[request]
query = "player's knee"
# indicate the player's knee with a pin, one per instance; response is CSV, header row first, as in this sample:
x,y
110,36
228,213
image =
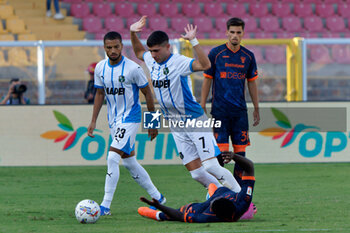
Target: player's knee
x,y
113,157
198,173
211,165
129,162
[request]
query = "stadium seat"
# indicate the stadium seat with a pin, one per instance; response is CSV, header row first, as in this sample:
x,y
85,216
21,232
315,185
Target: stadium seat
x,y
95,1
291,24
324,10
330,35
191,10
220,23
258,54
281,9
213,9
3,61
264,35
313,24
270,24
341,54
16,26
335,24
133,19
102,10
320,54
146,9
303,10
344,10
285,35
26,37
79,10
178,24
18,57
204,24
7,37
114,24
250,24
6,11
217,35
158,23
168,9
258,10
100,35
275,54
124,9
308,34
236,9
92,24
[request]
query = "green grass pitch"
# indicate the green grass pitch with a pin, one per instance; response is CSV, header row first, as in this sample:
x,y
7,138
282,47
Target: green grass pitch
x,y
289,198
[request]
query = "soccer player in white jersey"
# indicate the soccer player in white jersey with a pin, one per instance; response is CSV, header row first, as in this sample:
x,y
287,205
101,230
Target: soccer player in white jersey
x,y
118,79
172,87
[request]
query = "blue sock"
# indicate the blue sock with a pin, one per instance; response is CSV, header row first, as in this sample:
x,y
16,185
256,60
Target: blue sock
x,y
237,171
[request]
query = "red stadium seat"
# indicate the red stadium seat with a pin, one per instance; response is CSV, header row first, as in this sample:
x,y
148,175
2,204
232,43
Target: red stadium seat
x,y
124,9
330,35
191,9
236,9
281,9
220,23
217,35
324,10
303,10
213,9
258,54
285,35
114,24
335,24
275,55
99,35
313,24
168,9
290,1
178,24
158,23
92,24
204,24
132,19
250,24
146,9
320,54
341,54
344,10
308,34
291,24
258,10
95,1
102,10
79,10
264,35
270,24
201,35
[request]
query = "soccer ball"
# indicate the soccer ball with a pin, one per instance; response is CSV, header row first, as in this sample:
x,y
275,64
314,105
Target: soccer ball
x,y
87,211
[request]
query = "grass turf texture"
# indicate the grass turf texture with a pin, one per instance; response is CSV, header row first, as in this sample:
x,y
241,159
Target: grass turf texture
x,y
290,198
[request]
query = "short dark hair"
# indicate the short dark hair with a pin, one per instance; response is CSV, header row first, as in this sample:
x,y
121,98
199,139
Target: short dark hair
x,y
235,22
223,208
14,80
157,38
112,36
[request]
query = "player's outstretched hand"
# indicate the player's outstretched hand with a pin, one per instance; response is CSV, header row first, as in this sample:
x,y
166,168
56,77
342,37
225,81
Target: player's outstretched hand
x,y
227,156
138,26
152,133
91,128
190,32
154,202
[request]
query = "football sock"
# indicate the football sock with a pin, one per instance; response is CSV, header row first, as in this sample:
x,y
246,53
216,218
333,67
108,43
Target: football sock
x,y
222,174
203,177
238,171
112,178
141,176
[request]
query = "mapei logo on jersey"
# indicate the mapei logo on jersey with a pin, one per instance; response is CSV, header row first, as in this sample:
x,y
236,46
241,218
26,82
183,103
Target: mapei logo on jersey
x,y
151,120
115,91
161,83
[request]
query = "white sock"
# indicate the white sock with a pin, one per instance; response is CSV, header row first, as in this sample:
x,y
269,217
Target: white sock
x,y
203,177
141,176
222,174
112,178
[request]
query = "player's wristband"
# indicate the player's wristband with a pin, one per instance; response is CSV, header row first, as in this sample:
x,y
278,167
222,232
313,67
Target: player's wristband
x,y
194,42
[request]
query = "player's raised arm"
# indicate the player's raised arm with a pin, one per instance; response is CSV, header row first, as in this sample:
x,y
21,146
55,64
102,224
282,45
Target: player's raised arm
x,y
99,98
202,63
139,50
246,164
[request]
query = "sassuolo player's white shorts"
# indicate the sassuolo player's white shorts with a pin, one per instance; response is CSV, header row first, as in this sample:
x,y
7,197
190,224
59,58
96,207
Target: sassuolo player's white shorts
x,y
123,135
192,144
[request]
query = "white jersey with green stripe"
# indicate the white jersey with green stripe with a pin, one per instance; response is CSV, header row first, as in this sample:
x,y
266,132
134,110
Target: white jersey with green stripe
x,y
121,83
173,87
